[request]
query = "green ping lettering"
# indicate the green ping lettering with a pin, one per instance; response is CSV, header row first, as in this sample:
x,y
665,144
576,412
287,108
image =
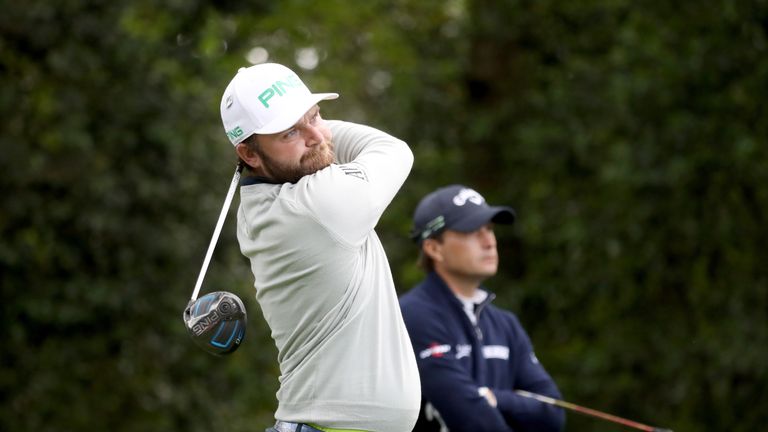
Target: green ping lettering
x,y
234,133
279,88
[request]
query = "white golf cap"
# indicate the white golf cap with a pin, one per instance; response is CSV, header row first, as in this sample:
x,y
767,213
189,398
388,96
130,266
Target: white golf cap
x,y
265,99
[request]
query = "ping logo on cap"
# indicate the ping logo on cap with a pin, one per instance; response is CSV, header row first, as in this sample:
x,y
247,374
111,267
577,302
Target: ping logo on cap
x,y
235,133
279,88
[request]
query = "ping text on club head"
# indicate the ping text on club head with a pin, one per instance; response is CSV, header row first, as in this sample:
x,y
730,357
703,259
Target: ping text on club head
x,y
206,322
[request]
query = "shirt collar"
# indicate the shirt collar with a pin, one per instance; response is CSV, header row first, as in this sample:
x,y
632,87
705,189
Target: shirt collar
x,y
253,179
469,303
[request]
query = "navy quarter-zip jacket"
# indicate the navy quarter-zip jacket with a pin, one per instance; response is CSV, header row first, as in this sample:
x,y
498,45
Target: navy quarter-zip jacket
x,y
456,357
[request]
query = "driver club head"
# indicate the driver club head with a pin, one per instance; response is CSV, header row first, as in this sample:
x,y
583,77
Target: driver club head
x,y
216,322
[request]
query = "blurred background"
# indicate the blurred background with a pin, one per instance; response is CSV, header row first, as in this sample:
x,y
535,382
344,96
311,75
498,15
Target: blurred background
x,y
631,138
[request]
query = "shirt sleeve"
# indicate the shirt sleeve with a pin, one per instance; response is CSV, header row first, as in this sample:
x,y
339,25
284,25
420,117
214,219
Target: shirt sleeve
x,y
350,196
522,413
445,384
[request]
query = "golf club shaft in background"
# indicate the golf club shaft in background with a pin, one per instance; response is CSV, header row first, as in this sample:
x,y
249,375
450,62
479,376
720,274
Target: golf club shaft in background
x,y
217,230
590,412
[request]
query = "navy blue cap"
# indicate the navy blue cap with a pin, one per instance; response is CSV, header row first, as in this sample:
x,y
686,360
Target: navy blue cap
x,y
457,208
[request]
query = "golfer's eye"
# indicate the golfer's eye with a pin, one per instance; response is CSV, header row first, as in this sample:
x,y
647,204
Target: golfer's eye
x,y
290,134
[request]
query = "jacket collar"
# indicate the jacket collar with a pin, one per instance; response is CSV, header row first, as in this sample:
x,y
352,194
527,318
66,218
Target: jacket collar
x,y
436,288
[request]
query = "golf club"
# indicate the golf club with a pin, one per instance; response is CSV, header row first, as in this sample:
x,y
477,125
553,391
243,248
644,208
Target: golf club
x,y
217,320
590,412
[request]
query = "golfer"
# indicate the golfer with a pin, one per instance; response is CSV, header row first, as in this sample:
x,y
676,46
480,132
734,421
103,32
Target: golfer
x,y
471,354
310,198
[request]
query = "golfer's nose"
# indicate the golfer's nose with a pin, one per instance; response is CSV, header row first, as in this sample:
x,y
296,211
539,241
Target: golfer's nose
x,y
312,135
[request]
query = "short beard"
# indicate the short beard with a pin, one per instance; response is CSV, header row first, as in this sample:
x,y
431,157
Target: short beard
x,y
317,158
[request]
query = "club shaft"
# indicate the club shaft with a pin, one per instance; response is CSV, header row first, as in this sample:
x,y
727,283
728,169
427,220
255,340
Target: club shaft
x,y
217,231
589,411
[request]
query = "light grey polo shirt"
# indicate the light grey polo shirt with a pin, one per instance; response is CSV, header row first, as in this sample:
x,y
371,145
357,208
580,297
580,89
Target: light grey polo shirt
x,y
325,288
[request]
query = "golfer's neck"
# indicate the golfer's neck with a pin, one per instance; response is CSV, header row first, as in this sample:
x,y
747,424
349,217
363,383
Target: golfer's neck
x,y
465,286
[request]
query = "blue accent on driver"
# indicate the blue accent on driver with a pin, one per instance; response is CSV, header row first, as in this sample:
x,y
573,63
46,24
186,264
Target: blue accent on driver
x,y
231,336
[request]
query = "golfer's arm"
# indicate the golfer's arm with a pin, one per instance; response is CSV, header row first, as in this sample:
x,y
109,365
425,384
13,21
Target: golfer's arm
x,y
349,197
385,160
531,415
524,413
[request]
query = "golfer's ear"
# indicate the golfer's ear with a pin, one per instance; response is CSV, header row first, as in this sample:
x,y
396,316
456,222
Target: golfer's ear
x,y
432,249
248,156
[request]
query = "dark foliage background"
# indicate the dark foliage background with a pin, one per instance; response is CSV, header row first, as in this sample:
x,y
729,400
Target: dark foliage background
x,y
631,138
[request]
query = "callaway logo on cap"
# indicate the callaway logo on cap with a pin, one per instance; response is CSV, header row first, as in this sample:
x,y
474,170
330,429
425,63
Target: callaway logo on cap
x,y
265,99
458,208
